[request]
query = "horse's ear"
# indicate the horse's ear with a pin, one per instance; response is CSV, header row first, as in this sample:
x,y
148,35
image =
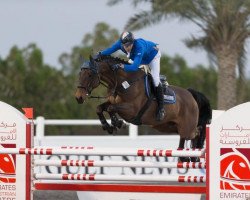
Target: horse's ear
x,y
91,58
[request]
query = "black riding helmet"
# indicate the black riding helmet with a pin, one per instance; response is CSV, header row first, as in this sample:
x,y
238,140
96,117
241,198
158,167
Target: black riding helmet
x,y
127,38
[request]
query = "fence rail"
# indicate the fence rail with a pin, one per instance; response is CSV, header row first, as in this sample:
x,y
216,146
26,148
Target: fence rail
x,y
41,122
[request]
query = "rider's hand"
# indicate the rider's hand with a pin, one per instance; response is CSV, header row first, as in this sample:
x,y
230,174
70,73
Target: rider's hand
x,y
97,56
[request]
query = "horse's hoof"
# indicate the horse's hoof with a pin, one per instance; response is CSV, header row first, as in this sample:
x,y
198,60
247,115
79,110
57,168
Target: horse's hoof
x,y
195,159
184,159
104,128
108,128
111,129
119,124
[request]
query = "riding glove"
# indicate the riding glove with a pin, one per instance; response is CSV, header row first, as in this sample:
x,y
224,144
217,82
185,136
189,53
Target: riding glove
x,y
97,56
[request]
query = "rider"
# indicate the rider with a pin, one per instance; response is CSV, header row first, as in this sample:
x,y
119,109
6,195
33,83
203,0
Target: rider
x,y
145,52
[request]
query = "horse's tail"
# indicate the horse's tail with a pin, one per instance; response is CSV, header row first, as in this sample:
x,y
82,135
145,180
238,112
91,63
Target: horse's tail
x,y
205,115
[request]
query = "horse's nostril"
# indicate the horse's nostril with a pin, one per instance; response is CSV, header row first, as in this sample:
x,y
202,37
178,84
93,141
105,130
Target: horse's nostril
x,y
79,100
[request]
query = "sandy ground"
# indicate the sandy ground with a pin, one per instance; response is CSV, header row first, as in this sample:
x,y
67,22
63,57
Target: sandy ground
x,y
62,195
54,195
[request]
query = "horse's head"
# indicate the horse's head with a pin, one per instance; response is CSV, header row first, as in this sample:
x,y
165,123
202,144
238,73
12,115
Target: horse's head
x,y
88,80
92,72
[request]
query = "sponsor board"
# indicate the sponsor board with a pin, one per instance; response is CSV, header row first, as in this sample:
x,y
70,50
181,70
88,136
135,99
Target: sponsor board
x,y
13,127
229,155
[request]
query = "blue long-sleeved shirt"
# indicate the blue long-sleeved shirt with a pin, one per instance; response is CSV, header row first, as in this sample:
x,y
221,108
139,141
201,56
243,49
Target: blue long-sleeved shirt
x,y
142,53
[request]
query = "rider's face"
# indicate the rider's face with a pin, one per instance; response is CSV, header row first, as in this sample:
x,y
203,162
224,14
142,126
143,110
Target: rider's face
x,y
128,48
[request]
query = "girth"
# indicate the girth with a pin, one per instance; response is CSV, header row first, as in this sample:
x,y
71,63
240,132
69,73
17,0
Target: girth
x,y
137,119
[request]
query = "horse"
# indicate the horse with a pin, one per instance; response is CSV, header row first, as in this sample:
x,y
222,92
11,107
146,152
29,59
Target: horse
x,y
126,97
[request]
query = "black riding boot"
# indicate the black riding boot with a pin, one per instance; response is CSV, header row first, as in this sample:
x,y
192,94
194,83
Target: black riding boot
x,y
160,98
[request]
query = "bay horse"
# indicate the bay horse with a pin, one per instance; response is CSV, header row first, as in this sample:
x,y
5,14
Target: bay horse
x,y
188,116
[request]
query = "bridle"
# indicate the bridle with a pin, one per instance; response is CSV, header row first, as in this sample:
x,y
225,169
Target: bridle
x,y
95,72
94,68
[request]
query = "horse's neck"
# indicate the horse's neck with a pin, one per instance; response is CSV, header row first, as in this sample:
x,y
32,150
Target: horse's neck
x,y
115,79
120,76
108,78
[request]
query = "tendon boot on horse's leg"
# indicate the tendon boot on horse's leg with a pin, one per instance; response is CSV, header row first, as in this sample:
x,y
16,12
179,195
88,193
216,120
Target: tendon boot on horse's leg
x,y
115,121
181,146
160,101
112,110
106,126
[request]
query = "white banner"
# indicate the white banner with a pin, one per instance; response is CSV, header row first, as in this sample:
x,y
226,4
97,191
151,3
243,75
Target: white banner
x,y
229,155
13,129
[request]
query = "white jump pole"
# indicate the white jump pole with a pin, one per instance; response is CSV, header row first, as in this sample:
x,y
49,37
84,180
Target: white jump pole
x,y
94,163
143,178
105,152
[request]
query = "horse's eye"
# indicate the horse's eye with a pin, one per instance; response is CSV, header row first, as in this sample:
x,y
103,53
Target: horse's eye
x,y
90,75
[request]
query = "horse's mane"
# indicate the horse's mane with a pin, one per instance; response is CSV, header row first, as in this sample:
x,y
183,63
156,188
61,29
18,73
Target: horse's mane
x,y
109,58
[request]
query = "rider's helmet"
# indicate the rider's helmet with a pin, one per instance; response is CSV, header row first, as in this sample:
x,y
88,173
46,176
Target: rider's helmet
x,y
127,38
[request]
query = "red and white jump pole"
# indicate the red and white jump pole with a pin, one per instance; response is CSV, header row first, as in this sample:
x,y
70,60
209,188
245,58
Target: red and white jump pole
x,y
140,178
96,163
105,152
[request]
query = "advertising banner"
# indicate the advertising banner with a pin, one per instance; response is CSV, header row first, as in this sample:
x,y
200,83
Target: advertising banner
x,y
229,155
13,128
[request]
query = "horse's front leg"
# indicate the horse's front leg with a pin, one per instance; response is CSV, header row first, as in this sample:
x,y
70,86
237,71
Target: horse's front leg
x,y
125,109
99,111
114,120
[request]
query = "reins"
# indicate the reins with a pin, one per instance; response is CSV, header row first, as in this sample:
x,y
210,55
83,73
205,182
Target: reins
x,y
115,88
99,97
102,83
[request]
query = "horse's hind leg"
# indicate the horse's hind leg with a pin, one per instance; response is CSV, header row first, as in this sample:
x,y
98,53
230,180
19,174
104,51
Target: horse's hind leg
x,y
181,146
195,144
99,111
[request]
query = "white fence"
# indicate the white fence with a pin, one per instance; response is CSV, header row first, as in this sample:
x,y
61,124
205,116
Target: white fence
x,y
133,139
41,122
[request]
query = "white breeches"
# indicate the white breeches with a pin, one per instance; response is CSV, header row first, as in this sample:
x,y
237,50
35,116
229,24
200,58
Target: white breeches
x,y
155,68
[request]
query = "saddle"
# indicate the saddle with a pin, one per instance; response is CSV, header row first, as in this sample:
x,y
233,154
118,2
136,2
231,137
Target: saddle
x,y
169,94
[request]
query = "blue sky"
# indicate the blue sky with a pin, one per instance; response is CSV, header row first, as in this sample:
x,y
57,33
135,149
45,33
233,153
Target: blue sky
x,y
58,25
